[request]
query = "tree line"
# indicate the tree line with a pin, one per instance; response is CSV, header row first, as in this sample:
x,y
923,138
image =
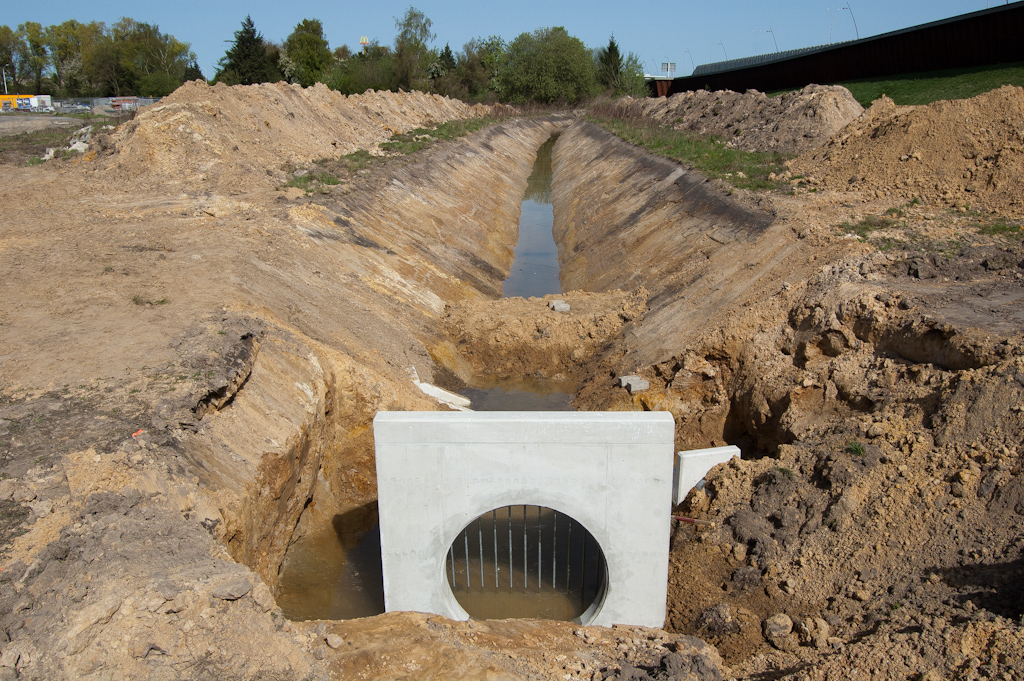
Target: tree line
x,y
76,59
547,65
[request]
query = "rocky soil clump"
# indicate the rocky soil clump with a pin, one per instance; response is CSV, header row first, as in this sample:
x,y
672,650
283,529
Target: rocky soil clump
x,y
794,122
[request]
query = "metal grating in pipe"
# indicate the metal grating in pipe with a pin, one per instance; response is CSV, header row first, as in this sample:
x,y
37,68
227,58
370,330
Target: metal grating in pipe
x,y
550,567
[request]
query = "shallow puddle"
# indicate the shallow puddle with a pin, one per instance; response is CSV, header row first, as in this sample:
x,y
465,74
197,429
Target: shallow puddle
x,y
336,573
518,394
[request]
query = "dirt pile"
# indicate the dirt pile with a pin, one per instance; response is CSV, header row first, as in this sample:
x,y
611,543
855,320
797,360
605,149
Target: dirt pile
x,y
794,122
231,137
524,337
961,153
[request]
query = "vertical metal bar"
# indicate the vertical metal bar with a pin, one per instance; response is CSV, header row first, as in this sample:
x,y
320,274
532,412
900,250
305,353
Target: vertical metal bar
x,y
540,526
568,556
554,549
480,536
526,570
465,541
583,572
509,547
494,526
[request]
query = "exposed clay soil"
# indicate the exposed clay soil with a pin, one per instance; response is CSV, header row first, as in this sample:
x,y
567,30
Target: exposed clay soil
x,y
961,153
192,357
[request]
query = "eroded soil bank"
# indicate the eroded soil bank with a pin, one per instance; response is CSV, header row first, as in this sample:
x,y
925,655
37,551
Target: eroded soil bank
x,y
189,375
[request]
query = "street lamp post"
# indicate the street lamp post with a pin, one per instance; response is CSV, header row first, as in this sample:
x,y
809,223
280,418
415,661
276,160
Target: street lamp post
x,y
724,50
693,67
773,38
4,70
854,20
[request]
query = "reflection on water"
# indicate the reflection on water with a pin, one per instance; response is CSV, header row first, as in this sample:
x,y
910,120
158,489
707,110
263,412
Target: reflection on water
x,y
535,265
518,394
336,573
525,561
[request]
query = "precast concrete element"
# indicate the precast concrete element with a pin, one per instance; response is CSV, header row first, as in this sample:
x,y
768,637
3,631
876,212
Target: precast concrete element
x,y
634,383
559,305
693,465
610,471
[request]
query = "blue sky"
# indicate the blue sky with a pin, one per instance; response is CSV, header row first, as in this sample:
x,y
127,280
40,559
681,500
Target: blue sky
x,y
677,30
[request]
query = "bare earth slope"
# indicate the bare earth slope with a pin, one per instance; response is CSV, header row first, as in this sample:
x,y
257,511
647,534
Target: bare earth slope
x,y
233,137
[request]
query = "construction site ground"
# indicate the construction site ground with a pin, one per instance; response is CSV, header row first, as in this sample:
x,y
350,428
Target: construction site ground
x,y
193,345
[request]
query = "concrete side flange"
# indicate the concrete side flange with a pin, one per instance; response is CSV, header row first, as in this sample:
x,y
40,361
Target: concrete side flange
x,y
693,465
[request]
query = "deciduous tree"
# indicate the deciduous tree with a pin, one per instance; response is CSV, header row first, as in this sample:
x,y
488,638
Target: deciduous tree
x,y
307,53
546,66
412,50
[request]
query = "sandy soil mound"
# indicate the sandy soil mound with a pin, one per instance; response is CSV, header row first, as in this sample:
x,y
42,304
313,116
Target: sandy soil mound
x,y
795,122
964,153
228,135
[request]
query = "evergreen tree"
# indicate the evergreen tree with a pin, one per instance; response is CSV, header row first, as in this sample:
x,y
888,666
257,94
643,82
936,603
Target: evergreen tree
x,y
447,59
609,66
247,62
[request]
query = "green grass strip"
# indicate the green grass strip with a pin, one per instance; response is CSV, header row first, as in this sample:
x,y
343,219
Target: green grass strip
x,y
711,157
925,88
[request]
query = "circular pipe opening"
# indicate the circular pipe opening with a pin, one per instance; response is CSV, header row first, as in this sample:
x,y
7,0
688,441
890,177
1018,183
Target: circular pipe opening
x,y
527,562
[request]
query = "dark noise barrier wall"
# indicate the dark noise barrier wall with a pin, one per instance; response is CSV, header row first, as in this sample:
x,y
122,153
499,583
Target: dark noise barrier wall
x,y
990,36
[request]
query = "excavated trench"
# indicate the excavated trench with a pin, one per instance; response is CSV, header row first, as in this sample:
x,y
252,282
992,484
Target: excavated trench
x,y
667,275
333,571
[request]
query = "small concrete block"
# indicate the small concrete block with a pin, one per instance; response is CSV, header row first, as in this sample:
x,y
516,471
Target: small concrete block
x,y
559,305
634,383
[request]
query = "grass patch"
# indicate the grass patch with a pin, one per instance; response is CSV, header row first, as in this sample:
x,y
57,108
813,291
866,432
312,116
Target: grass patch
x,y
313,181
928,87
357,160
711,157
868,224
854,447
420,138
1001,227
782,471
328,172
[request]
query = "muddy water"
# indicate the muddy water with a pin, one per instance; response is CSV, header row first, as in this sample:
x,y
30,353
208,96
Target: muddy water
x,y
535,265
487,393
335,573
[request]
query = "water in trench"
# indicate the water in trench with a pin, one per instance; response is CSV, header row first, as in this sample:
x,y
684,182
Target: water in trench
x,y
336,573
535,264
534,273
